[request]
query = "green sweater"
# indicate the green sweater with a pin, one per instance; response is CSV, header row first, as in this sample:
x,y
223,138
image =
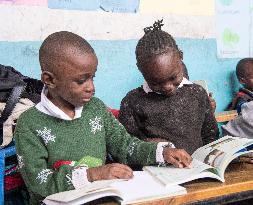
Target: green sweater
x,y
41,140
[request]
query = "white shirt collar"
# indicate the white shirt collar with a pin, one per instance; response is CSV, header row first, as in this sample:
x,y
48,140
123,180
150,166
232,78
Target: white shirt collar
x,y
47,107
147,89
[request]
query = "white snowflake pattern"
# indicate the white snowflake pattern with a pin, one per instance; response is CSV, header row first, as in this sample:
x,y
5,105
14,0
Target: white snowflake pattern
x,y
131,148
46,135
95,124
20,161
42,176
69,180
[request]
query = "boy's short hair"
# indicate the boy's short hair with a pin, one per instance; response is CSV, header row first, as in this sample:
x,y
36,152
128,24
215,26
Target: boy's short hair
x,y
243,66
54,46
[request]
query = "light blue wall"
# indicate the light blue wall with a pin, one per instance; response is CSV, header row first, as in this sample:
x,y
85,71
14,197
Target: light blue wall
x,y
117,72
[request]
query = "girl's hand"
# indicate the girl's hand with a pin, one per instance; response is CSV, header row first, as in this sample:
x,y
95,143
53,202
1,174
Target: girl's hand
x,y
178,157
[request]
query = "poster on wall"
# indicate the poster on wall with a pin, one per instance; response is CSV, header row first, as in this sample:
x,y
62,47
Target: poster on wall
x,y
190,7
233,27
122,6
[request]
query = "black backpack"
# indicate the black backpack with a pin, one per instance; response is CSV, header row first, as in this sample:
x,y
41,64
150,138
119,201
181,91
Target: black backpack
x,y
13,86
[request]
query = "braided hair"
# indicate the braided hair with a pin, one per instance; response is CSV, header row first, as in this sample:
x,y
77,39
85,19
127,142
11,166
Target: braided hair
x,y
155,42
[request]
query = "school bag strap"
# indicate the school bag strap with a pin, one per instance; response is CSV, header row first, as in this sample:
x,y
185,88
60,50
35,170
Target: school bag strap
x,y
9,106
11,88
11,102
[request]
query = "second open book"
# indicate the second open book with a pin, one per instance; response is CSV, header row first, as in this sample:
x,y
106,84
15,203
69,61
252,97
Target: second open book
x,y
210,160
142,187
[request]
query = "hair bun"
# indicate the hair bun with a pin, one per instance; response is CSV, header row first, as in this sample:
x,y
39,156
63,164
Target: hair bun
x,y
156,26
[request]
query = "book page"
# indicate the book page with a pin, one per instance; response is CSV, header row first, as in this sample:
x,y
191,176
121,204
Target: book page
x,y
86,198
171,175
202,83
92,188
144,187
219,153
141,187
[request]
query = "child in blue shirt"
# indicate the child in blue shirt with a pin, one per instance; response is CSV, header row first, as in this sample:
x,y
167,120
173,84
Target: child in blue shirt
x,y
244,73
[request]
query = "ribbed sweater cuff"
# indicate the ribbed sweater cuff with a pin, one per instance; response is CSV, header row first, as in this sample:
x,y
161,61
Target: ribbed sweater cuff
x,y
159,151
79,177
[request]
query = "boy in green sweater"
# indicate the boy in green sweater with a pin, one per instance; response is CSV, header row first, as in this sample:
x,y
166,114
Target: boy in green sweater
x,y
63,141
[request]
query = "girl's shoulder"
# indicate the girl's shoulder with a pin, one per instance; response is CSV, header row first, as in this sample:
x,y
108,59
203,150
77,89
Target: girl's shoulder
x,y
195,88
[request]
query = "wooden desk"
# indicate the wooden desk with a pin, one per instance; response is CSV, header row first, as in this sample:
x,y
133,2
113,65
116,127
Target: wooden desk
x,y
226,115
238,186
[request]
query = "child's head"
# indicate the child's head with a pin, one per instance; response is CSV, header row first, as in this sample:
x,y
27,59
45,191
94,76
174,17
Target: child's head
x,y
159,60
68,64
244,72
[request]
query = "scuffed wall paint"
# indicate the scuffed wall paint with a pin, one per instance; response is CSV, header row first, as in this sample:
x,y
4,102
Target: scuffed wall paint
x,y
35,23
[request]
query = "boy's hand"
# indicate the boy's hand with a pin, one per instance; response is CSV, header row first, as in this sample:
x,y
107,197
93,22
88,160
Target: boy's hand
x,y
212,101
178,157
109,171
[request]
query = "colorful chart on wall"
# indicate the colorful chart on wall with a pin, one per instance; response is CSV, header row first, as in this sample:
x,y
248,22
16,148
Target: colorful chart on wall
x,y
234,28
121,6
25,2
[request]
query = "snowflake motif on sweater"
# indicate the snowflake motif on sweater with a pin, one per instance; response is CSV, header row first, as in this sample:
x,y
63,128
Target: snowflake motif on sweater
x,y
42,176
46,135
95,124
131,148
20,161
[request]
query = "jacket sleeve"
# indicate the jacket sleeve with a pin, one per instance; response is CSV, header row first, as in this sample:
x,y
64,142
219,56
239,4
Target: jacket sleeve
x,y
209,131
32,156
126,148
129,119
239,104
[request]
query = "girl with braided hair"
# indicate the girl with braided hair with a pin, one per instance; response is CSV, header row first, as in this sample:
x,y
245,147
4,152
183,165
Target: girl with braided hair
x,y
167,107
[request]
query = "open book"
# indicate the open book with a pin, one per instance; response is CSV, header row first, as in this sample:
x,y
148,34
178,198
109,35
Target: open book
x,y
210,160
141,188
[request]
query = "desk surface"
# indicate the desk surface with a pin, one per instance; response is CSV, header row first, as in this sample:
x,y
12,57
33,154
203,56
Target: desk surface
x,y
239,179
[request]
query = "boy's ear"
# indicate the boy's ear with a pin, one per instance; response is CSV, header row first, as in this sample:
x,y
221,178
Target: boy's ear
x,y
48,79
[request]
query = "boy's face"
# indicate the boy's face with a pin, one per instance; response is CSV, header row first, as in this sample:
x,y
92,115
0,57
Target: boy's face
x,y
164,73
247,81
73,83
